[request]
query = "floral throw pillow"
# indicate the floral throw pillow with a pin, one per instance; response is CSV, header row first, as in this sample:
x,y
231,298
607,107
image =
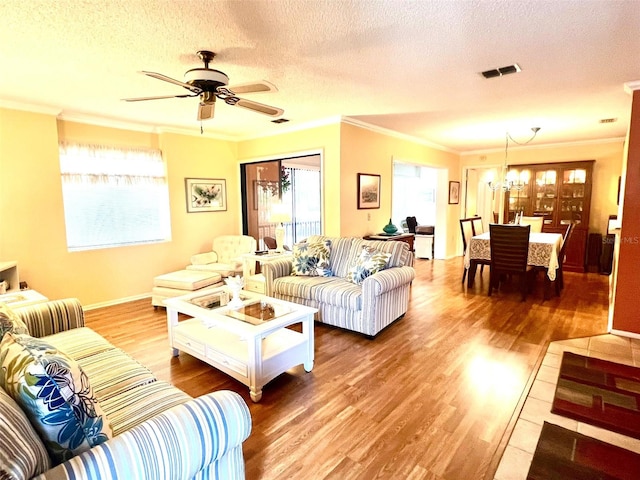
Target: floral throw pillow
x,y
369,261
54,392
10,321
311,259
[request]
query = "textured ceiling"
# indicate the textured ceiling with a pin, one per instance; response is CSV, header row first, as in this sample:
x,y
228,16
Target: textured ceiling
x,y
408,66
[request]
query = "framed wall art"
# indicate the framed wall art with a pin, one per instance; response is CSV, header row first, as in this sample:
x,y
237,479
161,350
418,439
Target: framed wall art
x,y
454,193
368,191
206,194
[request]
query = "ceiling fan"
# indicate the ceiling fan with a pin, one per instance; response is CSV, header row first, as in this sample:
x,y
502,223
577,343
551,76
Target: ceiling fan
x,y
210,84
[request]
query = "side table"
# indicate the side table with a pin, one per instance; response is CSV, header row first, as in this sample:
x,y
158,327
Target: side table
x,y
22,298
255,282
401,237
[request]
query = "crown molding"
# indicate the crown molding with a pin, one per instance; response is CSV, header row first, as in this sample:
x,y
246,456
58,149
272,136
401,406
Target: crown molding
x,y
393,133
29,107
288,128
196,133
106,122
630,87
545,145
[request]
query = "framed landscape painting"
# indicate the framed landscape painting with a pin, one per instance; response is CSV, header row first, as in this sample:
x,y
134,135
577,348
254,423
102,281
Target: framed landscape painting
x,y
206,194
368,191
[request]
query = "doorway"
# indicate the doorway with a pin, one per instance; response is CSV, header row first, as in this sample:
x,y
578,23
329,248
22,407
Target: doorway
x,y
293,186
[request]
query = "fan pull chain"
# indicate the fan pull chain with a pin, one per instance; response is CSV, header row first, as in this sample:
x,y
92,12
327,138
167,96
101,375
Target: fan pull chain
x,y
201,129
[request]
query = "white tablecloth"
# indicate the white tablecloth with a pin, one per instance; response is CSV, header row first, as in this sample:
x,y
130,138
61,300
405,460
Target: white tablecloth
x,y
543,250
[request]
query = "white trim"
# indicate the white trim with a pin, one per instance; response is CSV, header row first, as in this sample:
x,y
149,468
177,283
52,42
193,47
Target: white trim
x,y
629,87
545,145
117,301
29,107
393,133
624,333
279,156
288,128
196,133
106,122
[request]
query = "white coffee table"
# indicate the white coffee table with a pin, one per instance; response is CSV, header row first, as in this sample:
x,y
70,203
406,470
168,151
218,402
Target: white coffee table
x,y
251,344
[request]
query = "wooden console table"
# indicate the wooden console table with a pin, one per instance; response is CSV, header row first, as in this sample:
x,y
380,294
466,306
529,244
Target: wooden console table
x,y
401,237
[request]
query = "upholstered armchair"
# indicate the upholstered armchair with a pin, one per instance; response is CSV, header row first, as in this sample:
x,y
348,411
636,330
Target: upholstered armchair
x,y
225,256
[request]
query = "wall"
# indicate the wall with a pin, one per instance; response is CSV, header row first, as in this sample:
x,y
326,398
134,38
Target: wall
x,y
608,167
625,309
32,218
367,151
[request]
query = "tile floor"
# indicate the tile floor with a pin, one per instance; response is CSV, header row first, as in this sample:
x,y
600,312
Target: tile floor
x,y
517,456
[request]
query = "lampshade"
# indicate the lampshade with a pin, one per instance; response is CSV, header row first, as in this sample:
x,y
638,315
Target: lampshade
x,y
280,213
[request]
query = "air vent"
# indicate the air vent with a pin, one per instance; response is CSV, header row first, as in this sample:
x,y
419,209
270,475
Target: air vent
x,y
608,120
280,120
499,72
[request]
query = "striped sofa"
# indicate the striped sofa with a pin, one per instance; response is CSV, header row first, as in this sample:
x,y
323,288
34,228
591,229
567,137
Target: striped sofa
x,y
157,431
381,299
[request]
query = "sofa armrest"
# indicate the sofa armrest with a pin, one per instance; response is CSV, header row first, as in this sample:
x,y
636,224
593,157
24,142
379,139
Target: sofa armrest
x,y
280,267
178,443
51,317
204,258
387,280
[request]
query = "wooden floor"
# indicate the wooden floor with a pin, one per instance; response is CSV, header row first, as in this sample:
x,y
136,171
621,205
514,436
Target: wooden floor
x,y
431,397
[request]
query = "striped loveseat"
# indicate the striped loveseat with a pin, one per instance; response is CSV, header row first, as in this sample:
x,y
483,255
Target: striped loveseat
x,y
367,308
148,428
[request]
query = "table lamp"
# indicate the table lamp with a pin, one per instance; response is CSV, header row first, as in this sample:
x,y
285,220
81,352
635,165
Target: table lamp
x,y
279,214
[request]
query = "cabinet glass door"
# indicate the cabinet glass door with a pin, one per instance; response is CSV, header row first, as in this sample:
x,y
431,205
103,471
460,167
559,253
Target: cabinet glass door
x,y
572,195
544,188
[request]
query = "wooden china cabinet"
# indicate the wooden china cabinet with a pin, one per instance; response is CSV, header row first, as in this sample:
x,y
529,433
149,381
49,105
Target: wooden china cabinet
x,y
559,192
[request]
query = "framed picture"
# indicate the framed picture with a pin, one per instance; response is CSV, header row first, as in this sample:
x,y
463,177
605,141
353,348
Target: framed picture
x,y
454,193
206,194
368,191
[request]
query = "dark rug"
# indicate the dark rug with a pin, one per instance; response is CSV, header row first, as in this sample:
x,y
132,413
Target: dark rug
x,y
599,392
562,455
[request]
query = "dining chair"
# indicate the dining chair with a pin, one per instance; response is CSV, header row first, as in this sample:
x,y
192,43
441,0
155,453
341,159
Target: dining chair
x,y
535,222
466,227
561,255
509,253
478,228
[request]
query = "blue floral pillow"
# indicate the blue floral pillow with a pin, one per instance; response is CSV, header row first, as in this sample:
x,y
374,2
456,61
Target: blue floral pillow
x,y
311,259
54,392
369,261
10,321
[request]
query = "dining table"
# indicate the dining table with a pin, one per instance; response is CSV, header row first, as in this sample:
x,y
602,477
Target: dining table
x,y
543,252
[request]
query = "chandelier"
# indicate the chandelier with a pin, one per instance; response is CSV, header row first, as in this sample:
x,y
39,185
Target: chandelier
x,y
511,180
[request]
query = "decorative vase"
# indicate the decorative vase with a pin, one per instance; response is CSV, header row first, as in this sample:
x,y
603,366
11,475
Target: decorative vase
x,y
235,284
390,228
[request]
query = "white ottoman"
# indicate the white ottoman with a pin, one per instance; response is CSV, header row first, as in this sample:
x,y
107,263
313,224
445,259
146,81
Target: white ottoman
x,y
182,282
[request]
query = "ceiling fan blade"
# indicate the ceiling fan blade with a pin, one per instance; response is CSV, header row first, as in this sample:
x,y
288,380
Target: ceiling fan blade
x,y
253,87
258,107
164,78
205,111
156,98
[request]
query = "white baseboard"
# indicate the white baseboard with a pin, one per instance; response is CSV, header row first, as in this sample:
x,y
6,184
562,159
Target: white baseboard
x,y
116,301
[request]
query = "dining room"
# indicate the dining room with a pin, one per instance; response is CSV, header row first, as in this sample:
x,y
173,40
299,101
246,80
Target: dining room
x,y
529,252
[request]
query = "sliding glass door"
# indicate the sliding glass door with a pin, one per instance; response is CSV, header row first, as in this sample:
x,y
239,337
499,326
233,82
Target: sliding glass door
x,y
293,186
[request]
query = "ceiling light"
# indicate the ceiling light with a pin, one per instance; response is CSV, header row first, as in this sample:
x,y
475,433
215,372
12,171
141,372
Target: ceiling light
x,y
511,180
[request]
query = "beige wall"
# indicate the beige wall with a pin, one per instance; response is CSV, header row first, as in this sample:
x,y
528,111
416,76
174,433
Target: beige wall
x,y
366,151
32,218
608,167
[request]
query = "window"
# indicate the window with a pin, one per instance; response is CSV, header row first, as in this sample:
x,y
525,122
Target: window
x,y
113,196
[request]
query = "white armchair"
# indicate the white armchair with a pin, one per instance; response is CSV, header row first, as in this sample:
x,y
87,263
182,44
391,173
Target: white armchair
x,y
225,256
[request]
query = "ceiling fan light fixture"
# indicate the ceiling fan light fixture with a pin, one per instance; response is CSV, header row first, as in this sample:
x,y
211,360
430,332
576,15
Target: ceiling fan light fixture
x,y
204,77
